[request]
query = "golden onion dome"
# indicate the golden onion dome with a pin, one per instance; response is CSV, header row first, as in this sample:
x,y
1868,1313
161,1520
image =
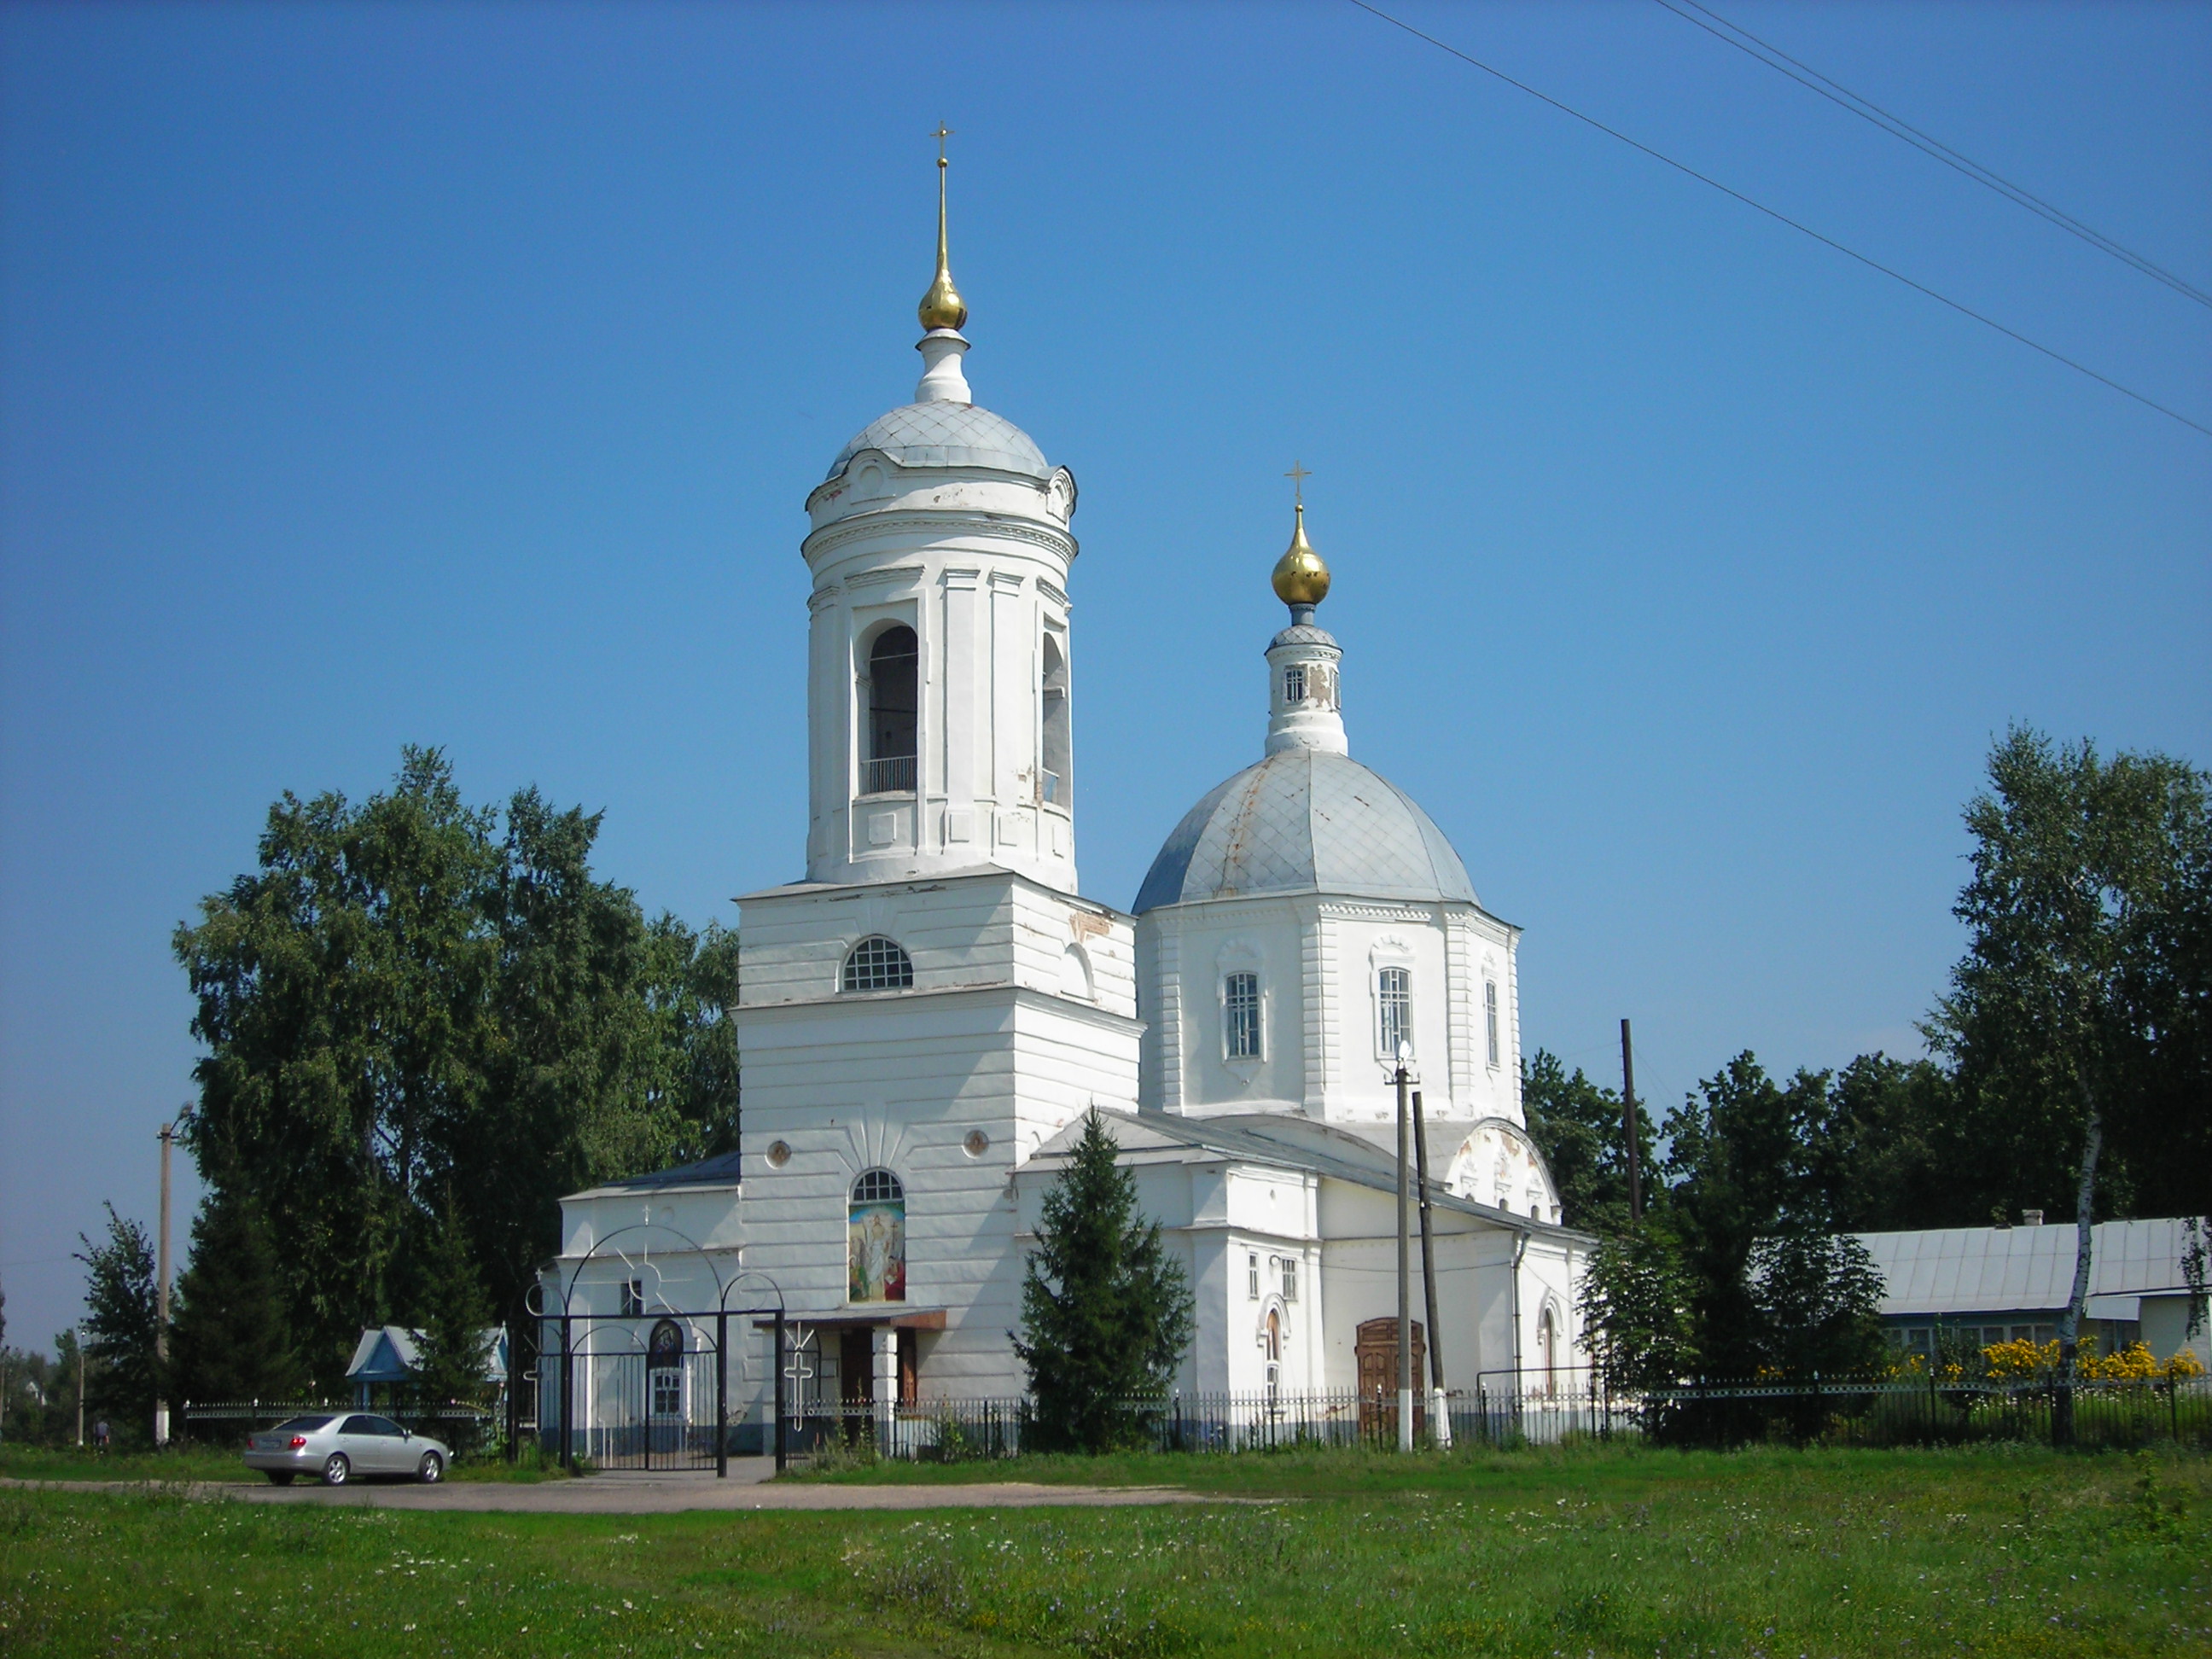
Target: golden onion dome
x,y
1301,578
942,306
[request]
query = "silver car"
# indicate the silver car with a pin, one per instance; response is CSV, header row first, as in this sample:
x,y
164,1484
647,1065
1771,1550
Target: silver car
x,y
335,1449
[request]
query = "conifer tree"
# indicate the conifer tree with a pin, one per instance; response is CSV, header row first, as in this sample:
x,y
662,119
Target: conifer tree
x,y
124,1378
229,1340
454,1314
1106,1312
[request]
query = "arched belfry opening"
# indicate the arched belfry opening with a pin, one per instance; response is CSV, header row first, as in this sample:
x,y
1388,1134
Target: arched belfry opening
x,y
894,707
1055,784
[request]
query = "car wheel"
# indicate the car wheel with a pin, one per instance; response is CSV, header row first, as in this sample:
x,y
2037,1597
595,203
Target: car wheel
x,y
335,1469
279,1477
431,1470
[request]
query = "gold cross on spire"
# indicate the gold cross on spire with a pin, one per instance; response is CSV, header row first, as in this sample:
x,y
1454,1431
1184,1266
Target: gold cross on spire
x,y
1297,474
942,133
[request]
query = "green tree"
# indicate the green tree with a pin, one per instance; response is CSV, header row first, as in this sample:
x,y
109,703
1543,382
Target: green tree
x,y
1636,1303
406,995
453,1316
1577,1125
1106,1312
341,990
2077,1018
1818,1296
610,1050
125,1376
1887,1153
1734,1163
228,1340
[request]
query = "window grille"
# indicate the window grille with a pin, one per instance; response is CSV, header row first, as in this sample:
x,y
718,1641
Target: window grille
x,y
1393,1007
878,1187
892,775
879,964
1490,1015
633,1298
1294,683
1241,1010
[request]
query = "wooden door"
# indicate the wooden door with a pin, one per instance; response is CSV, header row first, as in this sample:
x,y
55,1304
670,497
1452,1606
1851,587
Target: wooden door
x,y
1376,1348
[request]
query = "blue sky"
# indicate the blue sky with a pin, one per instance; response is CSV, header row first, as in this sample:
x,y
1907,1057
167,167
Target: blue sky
x,y
455,374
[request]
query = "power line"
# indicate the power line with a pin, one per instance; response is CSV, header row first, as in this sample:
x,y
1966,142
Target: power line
x,y
1783,218
1866,110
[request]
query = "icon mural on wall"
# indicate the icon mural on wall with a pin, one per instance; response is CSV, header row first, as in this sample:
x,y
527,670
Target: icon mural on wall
x,y
876,1239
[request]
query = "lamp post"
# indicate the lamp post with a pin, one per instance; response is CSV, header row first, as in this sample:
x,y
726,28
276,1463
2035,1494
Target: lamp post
x,y
168,1139
1403,1078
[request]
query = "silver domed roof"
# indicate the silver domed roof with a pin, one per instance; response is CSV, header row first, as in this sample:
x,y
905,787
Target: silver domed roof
x,y
948,435
1305,821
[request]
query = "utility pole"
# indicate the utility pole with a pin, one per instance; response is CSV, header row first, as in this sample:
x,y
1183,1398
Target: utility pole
x,y
1439,1417
1628,1122
1405,1267
168,1139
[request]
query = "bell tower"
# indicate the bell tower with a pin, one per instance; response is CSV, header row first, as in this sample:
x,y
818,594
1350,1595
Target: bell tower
x,y
940,687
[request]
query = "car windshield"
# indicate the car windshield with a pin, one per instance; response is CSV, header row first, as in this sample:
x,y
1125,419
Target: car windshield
x,y
303,1425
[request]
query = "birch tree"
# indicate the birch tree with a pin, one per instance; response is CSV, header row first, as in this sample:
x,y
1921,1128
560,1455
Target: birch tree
x,y
2082,985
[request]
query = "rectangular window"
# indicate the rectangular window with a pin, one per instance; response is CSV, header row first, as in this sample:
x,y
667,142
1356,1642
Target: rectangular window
x,y
1394,1008
1490,1015
1240,1001
1294,683
1252,1276
633,1298
1289,1279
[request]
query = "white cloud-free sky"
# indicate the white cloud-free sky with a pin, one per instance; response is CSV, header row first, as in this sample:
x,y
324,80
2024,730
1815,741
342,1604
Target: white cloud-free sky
x,y
454,374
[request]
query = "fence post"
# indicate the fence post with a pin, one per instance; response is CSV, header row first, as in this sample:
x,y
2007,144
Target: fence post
x,y
569,1386
722,1382
780,1454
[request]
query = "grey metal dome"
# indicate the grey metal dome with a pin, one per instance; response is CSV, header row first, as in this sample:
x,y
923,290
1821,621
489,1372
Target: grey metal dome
x,y
1305,821
948,435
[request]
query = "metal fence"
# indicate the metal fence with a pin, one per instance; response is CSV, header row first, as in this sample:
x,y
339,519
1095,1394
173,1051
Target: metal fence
x,y
1508,1410
1931,1411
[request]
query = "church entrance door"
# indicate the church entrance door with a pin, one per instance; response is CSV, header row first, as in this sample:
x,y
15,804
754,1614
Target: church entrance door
x,y
1375,1346
856,1368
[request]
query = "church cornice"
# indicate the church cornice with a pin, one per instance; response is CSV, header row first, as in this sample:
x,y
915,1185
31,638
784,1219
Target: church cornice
x,y
860,527
1001,990
1353,910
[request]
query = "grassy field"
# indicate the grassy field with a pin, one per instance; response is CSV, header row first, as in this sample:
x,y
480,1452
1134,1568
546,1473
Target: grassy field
x,y
1764,1554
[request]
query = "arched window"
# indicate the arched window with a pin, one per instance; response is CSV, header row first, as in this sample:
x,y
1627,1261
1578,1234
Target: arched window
x,y
1548,1346
664,1362
877,963
1393,1009
1490,1015
875,1235
894,702
1054,786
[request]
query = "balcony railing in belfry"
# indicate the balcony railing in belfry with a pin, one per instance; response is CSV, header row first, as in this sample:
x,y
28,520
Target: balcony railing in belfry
x,y
893,775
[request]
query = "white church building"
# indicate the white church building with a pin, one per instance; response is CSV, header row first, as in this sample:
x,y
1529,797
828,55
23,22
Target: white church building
x,y
927,1017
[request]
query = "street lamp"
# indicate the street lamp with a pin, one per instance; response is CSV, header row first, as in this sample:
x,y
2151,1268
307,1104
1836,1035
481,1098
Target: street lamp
x,y
1403,1076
